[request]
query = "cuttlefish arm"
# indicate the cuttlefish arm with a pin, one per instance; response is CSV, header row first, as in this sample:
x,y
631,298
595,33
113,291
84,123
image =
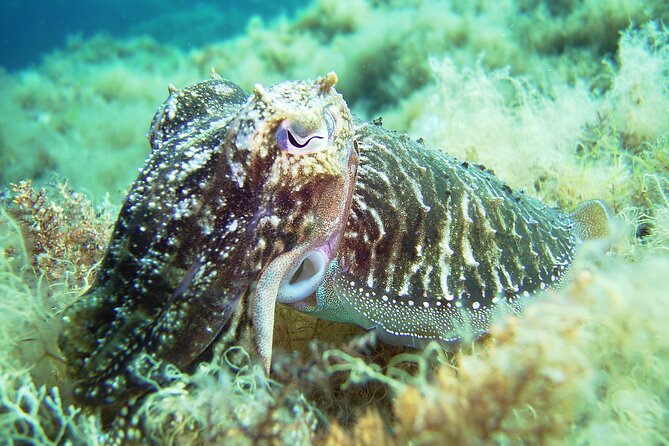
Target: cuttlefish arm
x,y
297,274
264,302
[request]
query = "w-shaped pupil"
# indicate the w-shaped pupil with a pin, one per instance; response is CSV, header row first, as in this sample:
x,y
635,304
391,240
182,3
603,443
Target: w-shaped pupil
x,y
294,142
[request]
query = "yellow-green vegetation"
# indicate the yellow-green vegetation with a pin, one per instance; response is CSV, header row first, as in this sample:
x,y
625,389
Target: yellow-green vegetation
x,y
557,100
83,112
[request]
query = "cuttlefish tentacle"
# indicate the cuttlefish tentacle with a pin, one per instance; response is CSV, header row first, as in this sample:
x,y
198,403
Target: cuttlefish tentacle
x,y
265,299
294,276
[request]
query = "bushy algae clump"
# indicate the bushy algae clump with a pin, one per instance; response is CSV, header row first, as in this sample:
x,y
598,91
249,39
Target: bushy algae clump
x,y
585,364
84,110
46,257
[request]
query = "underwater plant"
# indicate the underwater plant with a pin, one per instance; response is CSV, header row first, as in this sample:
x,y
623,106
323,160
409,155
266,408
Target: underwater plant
x,y
68,234
585,364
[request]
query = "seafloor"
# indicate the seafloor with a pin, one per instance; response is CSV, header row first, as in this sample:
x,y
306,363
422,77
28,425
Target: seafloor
x,y
566,100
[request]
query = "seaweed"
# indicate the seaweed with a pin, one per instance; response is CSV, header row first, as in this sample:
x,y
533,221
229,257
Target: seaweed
x,y
586,363
67,233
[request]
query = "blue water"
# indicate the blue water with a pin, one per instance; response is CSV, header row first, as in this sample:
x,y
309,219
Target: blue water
x,y
31,28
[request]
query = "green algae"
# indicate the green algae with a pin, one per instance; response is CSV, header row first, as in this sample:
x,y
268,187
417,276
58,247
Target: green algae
x,y
84,110
564,114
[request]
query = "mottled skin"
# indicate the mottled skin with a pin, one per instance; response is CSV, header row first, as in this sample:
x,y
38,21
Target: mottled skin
x,y
217,208
284,196
435,247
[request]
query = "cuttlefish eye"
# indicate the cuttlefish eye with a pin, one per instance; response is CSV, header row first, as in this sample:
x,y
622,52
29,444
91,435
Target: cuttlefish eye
x,y
297,138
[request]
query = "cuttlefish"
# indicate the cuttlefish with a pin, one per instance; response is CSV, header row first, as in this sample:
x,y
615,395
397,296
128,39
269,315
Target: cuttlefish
x,y
282,195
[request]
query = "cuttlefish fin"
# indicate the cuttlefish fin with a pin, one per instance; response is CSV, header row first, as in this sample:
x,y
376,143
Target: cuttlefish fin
x,y
264,302
592,219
